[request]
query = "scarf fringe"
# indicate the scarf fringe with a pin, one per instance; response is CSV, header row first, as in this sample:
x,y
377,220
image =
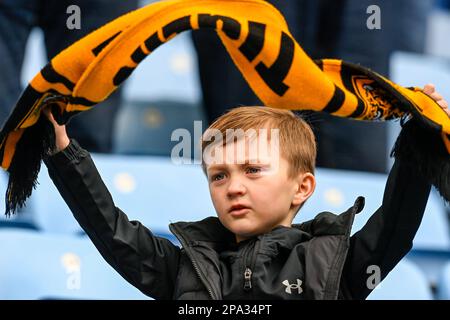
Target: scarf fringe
x,y
424,150
37,142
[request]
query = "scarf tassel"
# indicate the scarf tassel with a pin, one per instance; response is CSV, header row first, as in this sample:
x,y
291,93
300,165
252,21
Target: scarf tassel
x,y
424,150
36,143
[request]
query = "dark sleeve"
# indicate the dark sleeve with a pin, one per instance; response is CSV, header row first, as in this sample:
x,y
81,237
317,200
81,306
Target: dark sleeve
x,y
388,235
148,262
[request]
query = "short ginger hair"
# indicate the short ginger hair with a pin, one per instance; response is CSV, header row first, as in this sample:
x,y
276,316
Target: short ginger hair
x,y
296,138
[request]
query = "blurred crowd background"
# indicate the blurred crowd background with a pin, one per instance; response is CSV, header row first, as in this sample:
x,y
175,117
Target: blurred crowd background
x,y
46,255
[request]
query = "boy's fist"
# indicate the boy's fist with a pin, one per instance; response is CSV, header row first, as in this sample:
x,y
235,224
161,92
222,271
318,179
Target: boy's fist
x,y
430,90
61,138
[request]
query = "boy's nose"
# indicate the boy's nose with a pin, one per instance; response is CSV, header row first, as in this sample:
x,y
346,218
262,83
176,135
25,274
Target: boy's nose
x,y
236,188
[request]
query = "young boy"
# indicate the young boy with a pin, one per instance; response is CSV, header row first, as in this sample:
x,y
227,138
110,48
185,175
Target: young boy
x,y
252,250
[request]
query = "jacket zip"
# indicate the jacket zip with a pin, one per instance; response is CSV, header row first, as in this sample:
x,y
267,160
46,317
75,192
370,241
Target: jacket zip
x,y
247,279
250,266
193,261
247,271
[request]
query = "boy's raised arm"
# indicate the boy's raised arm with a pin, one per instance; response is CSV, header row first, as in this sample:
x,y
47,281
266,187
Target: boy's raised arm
x,y
388,235
148,262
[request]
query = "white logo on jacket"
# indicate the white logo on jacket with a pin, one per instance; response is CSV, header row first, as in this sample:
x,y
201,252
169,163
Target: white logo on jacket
x,y
294,286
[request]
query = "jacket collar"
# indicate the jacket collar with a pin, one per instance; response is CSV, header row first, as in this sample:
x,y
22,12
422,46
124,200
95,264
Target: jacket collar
x,y
205,240
212,233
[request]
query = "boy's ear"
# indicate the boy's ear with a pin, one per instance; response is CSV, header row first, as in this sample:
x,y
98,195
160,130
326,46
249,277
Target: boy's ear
x,y
305,188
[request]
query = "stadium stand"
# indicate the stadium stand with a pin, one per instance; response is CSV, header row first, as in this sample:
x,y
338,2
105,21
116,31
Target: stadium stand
x,y
405,282
150,189
155,128
443,288
35,265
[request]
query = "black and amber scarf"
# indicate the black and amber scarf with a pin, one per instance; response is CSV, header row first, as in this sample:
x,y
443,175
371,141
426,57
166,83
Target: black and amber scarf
x,y
257,38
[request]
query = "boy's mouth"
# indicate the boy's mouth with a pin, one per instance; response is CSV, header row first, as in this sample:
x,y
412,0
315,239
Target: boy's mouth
x,y
238,210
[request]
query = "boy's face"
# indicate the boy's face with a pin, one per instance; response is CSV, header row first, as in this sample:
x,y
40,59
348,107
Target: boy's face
x,y
253,197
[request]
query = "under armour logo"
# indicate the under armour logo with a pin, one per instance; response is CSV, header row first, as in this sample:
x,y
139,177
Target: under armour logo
x,y
290,287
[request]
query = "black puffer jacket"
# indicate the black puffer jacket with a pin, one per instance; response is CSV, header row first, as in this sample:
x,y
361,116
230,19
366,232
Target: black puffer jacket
x,y
314,260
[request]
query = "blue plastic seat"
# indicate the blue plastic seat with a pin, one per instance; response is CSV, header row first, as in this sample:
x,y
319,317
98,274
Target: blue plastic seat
x,y
168,73
443,4
52,215
336,191
156,192
25,218
443,283
34,265
434,233
405,282
152,190
156,127
412,69
162,95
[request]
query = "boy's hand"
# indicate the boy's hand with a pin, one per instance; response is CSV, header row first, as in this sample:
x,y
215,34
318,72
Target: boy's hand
x,y
61,138
430,90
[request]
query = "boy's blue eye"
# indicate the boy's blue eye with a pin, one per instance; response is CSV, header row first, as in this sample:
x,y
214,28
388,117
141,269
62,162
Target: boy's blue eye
x,y
253,170
214,177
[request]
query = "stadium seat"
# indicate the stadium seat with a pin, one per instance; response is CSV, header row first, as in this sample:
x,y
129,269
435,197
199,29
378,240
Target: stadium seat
x,y
51,212
25,218
34,265
412,69
155,128
152,190
438,27
405,282
444,4
336,191
162,95
156,192
434,233
169,73
443,283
